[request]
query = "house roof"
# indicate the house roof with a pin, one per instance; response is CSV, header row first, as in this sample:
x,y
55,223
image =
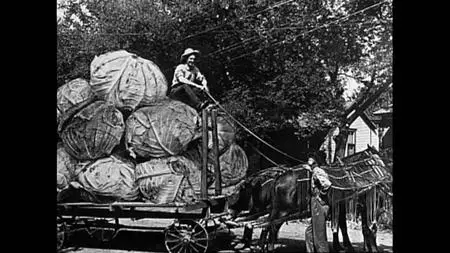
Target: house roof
x,y
367,120
384,110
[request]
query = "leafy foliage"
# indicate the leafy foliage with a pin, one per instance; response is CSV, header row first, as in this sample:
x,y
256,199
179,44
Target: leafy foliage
x,y
272,64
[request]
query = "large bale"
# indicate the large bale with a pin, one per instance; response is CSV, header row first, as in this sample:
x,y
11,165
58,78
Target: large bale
x,y
226,132
233,163
127,79
163,129
94,131
72,96
65,167
167,180
110,179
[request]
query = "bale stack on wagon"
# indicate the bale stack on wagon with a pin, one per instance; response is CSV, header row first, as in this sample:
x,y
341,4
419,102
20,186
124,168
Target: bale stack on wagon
x,y
123,139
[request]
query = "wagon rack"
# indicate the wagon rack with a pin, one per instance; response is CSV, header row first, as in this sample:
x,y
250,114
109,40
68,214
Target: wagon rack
x,y
194,223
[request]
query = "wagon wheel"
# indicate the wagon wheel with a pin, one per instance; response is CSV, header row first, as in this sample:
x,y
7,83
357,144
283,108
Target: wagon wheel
x,y
60,236
211,227
102,234
186,236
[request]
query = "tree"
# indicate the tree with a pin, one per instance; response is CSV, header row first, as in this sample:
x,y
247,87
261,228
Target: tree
x,y
272,64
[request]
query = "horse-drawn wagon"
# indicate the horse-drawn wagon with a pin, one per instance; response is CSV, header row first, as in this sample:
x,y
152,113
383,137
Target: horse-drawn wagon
x,y
194,222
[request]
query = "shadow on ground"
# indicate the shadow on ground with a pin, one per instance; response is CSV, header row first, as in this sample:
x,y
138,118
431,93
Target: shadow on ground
x,y
292,245
154,242
137,241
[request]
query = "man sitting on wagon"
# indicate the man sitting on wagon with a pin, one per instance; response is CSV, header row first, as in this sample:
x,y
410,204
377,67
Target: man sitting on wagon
x,y
188,81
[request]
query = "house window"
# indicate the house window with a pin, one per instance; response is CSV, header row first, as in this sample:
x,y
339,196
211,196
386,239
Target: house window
x,y
351,142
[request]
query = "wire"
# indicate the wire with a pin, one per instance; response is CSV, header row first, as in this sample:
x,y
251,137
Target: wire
x,y
312,30
264,156
217,27
234,46
249,131
241,43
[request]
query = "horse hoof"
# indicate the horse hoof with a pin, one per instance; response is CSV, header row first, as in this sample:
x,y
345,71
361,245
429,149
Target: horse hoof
x,y
337,248
349,249
240,246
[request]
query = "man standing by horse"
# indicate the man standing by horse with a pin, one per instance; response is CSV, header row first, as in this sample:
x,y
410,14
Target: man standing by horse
x,y
315,233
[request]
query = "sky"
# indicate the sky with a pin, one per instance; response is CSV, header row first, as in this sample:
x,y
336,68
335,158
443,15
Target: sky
x,y
351,86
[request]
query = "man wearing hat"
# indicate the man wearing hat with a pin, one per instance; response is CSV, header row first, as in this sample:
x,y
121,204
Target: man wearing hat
x,y
189,81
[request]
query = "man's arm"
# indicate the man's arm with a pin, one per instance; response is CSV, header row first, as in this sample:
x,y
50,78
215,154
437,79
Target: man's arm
x,y
179,77
202,79
322,177
182,79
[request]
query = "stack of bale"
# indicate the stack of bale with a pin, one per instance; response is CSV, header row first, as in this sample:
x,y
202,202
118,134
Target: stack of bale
x,y
123,139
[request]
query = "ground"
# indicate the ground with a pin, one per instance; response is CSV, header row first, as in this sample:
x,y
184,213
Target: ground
x,y
291,239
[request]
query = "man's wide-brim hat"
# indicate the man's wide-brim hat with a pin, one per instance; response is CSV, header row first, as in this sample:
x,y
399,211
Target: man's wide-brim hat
x,y
188,52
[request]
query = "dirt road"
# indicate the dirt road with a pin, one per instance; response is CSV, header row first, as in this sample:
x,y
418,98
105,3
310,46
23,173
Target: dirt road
x,y
291,239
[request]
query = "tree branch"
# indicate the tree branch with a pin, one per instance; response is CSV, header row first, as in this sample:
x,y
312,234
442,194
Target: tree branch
x,y
351,76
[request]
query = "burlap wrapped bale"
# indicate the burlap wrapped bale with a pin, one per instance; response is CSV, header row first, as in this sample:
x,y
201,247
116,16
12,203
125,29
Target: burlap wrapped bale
x,y
226,132
163,129
194,154
71,97
127,79
233,163
58,116
110,179
94,131
65,167
165,180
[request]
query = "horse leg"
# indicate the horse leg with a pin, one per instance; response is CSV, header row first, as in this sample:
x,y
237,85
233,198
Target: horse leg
x,y
273,236
247,237
373,230
342,220
336,246
335,228
368,235
369,238
271,229
263,238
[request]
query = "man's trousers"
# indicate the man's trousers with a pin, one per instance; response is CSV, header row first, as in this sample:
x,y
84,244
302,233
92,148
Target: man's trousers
x,y
316,232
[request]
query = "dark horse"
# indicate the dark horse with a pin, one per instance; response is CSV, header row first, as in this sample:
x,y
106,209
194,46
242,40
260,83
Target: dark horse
x,y
281,192
276,192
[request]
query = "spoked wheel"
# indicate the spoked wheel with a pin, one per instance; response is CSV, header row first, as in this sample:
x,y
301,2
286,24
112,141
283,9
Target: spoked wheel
x,y
101,232
211,227
103,235
186,236
60,236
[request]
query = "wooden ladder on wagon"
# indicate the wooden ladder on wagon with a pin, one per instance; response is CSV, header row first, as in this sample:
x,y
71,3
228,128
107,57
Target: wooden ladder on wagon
x,y
215,151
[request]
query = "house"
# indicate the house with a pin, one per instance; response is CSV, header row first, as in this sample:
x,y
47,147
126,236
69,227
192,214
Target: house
x,y
383,118
362,132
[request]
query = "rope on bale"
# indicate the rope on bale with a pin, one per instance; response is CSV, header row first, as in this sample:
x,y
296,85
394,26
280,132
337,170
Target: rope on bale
x,y
159,139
